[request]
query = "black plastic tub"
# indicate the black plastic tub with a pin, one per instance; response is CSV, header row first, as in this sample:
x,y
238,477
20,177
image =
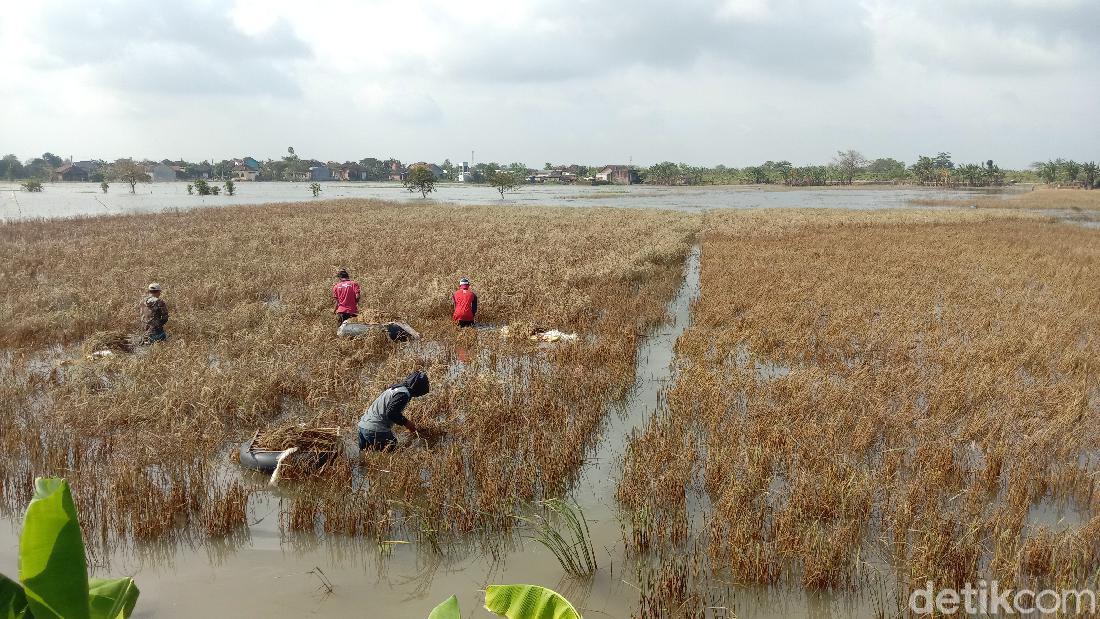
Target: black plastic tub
x,y
265,460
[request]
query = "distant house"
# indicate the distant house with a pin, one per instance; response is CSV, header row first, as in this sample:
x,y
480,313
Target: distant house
x,y
244,173
547,176
70,173
396,170
197,171
351,172
162,173
245,169
436,171
617,175
90,167
560,174
320,173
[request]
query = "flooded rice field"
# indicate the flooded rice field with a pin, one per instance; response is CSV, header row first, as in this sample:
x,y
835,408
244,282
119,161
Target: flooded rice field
x,y
86,199
784,413
265,570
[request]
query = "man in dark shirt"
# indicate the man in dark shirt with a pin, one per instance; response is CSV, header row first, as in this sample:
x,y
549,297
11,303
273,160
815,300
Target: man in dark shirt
x,y
376,424
154,315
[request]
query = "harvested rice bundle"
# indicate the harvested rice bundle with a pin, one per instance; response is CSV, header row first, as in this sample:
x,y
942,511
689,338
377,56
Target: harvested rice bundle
x,y
116,341
306,439
521,329
375,317
291,450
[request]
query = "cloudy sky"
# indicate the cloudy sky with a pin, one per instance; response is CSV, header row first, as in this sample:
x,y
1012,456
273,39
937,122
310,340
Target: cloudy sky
x,y
600,81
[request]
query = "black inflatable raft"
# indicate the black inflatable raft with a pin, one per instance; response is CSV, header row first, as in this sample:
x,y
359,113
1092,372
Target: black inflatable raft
x,y
396,331
265,460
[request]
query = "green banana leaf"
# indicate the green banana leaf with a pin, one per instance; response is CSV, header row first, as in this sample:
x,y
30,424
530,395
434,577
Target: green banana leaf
x,y
112,598
13,602
528,602
447,610
51,554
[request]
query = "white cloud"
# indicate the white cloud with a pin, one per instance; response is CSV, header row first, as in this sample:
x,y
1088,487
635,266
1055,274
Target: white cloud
x,y
722,81
745,10
981,39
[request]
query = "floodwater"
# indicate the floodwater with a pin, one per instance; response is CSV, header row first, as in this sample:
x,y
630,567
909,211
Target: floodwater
x,y
86,199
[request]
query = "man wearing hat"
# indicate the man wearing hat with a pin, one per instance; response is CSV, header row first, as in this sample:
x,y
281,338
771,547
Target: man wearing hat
x,y
345,296
154,313
465,304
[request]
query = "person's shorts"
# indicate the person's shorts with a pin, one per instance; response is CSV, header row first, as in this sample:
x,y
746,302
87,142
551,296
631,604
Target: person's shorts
x,y
156,336
341,317
378,441
465,323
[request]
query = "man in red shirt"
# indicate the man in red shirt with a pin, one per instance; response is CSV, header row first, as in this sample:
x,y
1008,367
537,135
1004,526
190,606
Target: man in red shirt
x,y
465,303
345,295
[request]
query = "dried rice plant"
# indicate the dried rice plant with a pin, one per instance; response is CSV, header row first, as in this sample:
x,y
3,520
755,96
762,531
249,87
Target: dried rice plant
x,y
1039,199
308,440
143,438
114,341
891,394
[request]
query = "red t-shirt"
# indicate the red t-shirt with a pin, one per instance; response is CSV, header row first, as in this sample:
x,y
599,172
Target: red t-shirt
x,y
346,293
465,302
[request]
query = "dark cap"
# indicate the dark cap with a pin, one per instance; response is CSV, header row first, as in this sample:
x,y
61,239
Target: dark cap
x,y
417,383
342,273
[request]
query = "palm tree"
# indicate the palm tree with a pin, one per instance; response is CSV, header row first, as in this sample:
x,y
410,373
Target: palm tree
x,y
972,174
755,175
1071,169
1089,173
923,169
1047,171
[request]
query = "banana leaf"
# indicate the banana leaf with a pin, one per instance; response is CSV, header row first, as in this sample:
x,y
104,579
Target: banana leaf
x,y
51,554
112,598
447,610
13,602
528,602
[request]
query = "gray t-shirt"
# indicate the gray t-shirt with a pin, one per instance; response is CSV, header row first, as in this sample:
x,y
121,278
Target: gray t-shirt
x,y
386,410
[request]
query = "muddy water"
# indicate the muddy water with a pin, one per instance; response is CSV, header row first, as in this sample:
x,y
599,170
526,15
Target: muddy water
x,y
1085,219
653,372
86,199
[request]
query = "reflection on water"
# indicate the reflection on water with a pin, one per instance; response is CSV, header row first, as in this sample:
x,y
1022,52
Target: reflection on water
x,y
1057,516
86,199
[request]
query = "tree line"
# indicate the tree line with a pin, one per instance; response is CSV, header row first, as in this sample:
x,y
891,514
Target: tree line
x,y
1067,172
848,167
38,169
